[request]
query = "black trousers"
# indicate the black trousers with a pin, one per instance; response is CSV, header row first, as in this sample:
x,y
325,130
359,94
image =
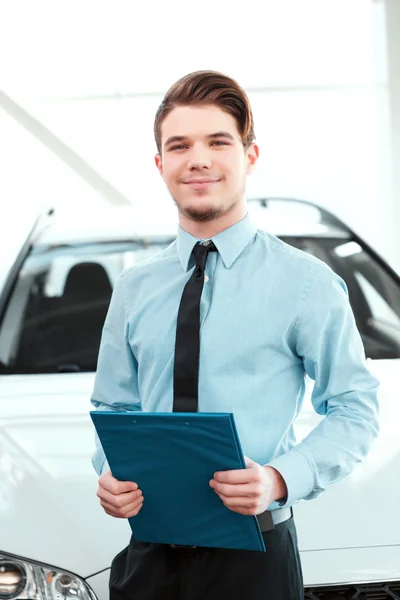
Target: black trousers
x,y
158,572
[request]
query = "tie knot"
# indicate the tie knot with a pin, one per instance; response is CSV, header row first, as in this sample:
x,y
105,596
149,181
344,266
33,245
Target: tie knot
x,y
201,251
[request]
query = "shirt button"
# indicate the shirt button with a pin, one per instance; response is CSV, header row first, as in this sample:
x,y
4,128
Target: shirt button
x,y
206,278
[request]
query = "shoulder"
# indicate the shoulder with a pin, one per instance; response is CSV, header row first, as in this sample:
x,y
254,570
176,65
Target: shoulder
x,y
283,253
297,269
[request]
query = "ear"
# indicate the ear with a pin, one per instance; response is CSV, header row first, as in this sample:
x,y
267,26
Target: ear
x,y
252,154
159,164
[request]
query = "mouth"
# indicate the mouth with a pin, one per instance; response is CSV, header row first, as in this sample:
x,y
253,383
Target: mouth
x,y
200,184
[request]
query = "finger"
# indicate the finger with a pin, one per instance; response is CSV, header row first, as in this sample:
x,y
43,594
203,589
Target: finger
x,y
112,485
122,513
128,515
239,502
118,500
238,489
121,510
237,476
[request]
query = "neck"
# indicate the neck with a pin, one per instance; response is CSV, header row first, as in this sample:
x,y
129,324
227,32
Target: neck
x,y
205,230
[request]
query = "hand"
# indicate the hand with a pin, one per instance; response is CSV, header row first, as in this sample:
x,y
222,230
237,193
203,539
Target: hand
x,y
121,499
249,491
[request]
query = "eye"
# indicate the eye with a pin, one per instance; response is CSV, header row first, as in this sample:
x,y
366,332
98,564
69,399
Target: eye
x,y
220,143
179,147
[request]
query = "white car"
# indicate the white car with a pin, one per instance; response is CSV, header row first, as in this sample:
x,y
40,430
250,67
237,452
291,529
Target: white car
x,y
55,540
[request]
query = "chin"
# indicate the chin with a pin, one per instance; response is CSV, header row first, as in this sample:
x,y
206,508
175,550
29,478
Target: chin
x,y
202,211
203,216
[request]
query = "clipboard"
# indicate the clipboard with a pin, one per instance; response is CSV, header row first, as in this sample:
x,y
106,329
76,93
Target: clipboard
x,y
172,457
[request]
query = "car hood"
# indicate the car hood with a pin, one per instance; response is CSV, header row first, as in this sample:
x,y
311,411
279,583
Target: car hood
x,y
49,511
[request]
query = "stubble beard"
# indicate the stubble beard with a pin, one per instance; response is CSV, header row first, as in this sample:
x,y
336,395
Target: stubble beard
x,y
208,213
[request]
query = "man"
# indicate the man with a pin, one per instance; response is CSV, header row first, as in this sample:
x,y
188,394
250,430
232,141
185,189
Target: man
x,y
268,314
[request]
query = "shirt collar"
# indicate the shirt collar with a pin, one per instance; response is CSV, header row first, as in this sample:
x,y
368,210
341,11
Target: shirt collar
x,y
230,242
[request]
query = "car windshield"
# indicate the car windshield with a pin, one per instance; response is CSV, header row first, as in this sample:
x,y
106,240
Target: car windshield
x,y
54,317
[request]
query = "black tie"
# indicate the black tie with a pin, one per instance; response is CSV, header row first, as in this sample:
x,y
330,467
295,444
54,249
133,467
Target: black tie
x,y
187,343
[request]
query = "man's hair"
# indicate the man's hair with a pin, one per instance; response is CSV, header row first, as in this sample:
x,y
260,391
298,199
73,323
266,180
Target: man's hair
x,y
208,87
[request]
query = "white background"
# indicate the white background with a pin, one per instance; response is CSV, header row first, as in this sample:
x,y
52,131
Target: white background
x,y
94,72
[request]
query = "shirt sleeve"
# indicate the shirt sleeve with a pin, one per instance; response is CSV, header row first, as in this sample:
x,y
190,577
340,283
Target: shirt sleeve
x,y
116,385
345,392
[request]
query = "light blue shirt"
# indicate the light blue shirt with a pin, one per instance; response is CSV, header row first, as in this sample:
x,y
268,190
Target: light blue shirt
x,y
269,314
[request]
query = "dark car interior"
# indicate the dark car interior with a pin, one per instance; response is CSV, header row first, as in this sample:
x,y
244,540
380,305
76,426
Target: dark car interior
x,y
66,329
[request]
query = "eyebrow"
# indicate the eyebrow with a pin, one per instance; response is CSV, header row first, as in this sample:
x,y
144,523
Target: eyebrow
x,y
211,136
219,134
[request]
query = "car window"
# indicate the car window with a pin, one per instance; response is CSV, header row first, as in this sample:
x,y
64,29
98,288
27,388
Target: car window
x,y
380,308
373,292
54,318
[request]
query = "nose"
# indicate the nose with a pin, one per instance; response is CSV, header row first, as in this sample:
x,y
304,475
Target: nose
x,y
199,157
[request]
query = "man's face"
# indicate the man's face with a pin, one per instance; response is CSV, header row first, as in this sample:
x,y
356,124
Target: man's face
x,y
203,161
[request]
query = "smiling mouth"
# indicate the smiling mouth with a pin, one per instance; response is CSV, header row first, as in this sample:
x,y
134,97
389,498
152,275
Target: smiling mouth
x,y
200,184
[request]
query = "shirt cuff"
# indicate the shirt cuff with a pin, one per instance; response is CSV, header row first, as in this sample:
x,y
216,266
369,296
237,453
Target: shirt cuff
x,y
297,475
105,467
99,462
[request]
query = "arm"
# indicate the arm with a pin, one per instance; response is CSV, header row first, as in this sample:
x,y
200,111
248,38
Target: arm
x,y
345,392
116,385
116,388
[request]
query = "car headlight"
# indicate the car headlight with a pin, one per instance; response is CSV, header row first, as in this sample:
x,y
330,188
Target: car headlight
x,y
22,579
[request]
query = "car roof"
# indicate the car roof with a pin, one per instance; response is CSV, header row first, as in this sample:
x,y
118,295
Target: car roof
x,y
279,216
